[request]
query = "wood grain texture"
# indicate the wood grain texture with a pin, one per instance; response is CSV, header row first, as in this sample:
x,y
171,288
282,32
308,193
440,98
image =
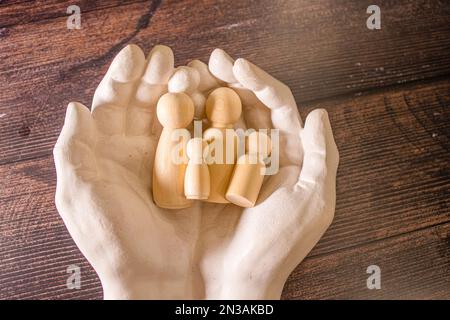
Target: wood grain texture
x,y
343,275
393,181
394,171
23,12
387,93
319,49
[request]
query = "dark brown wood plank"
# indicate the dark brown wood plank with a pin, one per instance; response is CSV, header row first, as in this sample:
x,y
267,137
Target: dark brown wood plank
x,y
394,171
319,49
23,12
393,179
413,266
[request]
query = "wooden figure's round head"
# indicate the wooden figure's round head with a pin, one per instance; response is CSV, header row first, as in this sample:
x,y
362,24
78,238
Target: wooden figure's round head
x,y
175,110
259,143
223,107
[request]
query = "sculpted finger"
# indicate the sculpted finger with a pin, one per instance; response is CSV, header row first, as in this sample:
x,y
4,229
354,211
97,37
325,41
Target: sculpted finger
x,y
187,80
73,153
152,85
273,93
184,79
115,91
221,66
160,65
77,125
207,81
318,179
283,109
321,157
256,115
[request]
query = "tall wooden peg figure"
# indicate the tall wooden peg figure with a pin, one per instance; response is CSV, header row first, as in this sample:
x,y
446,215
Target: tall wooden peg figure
x,y
196,181
249,172
223,110
175,112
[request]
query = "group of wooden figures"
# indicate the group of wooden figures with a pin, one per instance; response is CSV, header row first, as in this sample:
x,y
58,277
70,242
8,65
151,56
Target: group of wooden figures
x,y
213,170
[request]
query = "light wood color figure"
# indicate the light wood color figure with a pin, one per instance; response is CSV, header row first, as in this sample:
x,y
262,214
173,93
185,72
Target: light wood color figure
x,y
223,109
196,182
249,171
175,111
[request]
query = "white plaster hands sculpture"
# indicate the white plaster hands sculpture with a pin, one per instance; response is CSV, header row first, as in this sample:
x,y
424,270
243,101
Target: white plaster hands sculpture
x,y
103,161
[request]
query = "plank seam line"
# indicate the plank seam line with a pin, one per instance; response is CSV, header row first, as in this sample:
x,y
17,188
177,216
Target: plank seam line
x,y
363,244
375,90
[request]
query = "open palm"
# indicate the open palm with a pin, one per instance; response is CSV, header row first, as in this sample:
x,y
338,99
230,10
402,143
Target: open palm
x,y
104,161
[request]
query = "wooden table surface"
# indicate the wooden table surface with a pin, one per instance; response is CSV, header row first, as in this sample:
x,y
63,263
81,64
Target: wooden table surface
x,y
387,92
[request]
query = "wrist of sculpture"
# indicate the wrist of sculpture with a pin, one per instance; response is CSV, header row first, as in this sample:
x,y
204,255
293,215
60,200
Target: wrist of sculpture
x,y
246,288
127,290
114,289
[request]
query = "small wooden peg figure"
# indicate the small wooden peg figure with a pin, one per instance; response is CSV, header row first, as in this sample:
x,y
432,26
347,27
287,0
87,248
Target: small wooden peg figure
x,y
223,109
249,172
175,112
196,181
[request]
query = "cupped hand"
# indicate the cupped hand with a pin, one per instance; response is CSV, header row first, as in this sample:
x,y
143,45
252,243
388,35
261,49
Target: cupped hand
x,y
260,246
104,160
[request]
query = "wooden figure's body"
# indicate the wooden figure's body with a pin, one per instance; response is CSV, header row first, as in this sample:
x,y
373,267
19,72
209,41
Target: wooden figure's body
x,y
220,173
197,181
249,172
223,109
175,111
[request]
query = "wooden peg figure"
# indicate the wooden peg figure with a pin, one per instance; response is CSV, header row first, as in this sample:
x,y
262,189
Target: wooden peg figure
x,y
223,110
175,112
249,172
196,182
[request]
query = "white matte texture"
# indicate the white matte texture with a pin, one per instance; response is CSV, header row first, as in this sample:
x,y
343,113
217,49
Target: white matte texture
x,y
104,157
